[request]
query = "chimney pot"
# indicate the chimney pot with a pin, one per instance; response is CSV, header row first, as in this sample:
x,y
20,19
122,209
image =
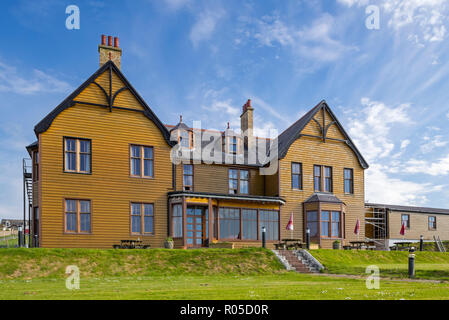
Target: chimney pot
x,y
110,41
103,39
180,118
116,42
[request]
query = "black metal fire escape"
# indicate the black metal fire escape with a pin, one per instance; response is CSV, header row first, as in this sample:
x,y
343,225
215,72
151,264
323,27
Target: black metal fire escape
x,y
27,198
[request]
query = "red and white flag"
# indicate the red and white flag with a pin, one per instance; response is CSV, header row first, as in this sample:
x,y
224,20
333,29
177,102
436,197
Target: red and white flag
x,y
290,223
403,229
357,227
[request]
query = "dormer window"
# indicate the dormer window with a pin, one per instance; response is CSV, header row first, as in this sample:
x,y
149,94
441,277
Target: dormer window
x,y
233,145
184,138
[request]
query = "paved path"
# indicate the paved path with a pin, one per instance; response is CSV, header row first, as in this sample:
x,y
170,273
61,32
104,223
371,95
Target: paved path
x,y
352,276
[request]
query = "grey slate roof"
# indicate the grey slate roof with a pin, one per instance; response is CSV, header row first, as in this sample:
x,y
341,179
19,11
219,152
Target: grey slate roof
x,y
180,125
323,197
32,146
407,208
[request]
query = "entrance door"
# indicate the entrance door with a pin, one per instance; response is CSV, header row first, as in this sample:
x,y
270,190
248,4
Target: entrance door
x,y
196,226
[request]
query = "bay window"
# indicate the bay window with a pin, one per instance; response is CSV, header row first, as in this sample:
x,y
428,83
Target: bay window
x,y
177,221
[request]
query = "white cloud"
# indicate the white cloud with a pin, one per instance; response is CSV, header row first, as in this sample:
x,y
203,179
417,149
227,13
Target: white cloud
x,y
223,106
432,143
447,115
205,25
426,18
437,168
35,82
371,130
316,42
350,3
404,143
382,188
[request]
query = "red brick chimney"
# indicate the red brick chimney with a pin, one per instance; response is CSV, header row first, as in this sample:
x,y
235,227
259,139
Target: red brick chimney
x,y
110,51
246,124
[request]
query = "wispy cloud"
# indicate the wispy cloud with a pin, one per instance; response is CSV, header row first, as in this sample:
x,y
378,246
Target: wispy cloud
x,y
317,42
433,168
205,25
371,129
427,16
382,188
431,143
350,3
37,81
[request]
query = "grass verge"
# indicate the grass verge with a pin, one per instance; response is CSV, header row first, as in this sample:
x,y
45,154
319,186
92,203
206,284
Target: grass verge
x,y
429,265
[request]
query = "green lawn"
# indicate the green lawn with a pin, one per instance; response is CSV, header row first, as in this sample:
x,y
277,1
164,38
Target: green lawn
x,y
288,285
429,265
11,243
209,274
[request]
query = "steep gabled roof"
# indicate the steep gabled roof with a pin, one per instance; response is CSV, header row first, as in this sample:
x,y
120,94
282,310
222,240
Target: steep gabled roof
x,y
45,123
292,133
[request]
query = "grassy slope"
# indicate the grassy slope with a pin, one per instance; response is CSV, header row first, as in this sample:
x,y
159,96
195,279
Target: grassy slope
x,y
51,263
429,265
193,274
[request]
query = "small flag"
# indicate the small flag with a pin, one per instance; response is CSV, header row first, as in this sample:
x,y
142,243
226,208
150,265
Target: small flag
x,y
290,223
357,227
403,229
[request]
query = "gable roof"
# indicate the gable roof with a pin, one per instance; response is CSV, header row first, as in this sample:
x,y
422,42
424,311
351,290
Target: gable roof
x,y
45,123
292,133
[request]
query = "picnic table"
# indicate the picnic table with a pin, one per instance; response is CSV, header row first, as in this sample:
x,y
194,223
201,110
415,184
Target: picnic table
x,y
286,244
131,244
359,245
402,246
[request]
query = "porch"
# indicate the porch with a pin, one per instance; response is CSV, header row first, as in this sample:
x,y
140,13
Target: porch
x,y
199,219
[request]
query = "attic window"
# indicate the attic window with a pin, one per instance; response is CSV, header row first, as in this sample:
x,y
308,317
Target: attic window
x,y
184,138
233,145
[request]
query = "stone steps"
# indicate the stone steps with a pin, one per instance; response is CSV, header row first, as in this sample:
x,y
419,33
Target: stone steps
x,y
294,261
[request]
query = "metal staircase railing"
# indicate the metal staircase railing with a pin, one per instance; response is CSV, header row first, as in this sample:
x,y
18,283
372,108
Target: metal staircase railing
x,y
439,244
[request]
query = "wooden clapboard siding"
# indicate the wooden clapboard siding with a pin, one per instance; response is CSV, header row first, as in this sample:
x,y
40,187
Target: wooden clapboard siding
x,y
311,151
109,187
272,184
214,179
418,226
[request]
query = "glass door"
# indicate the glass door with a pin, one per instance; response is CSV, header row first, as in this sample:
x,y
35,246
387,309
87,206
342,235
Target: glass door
x,y
197,230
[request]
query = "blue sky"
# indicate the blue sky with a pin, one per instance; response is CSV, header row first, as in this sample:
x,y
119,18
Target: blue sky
x,y
389,87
